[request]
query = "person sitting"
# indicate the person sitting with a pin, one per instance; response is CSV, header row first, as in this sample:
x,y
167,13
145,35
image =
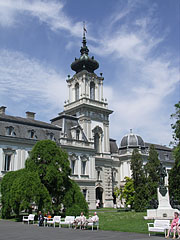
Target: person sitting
x,y
48,215
178,229
173,226
80,221
93,219
40,219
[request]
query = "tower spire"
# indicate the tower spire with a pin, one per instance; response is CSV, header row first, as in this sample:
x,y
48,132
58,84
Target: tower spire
x,y
84,48
84,30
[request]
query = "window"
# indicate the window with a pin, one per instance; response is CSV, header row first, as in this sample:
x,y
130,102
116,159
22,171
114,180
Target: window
x,y
32,134
77,134
77,91
83,169
10,131
73,166
98,175
92,90
96,142
7,162
114,176
50,136
84,193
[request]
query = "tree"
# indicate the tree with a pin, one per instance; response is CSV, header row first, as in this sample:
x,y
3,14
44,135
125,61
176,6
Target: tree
x,y
174,174
140,187
52,165
6,185
128,192
20,189
151,169
27,189
74,201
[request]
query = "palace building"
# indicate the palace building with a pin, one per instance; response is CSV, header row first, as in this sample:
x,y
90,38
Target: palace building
x,y
82,129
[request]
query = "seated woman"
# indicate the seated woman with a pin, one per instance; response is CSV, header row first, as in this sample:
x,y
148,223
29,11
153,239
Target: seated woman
x,y
173,226
48,215
178,229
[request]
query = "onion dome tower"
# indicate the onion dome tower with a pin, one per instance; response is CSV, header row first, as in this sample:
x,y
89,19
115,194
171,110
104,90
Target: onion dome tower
x,y
84,62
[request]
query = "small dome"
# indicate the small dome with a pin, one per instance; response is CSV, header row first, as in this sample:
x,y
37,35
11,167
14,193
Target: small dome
x,y
132,140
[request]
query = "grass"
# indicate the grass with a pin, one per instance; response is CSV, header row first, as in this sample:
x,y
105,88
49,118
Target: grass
x,y
113,220
123,221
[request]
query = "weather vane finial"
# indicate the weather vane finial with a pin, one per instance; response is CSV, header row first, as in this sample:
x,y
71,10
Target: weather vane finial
x,y
84,30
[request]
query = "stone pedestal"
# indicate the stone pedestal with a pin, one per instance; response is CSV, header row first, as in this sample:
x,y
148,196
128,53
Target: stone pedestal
x,y
164,210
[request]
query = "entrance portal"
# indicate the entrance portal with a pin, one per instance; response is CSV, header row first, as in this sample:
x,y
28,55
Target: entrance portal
x,y
99,196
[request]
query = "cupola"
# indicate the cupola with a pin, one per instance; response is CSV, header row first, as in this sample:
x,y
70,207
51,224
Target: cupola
x,y
84,62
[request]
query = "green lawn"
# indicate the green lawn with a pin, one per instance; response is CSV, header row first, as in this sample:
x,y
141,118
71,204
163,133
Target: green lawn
x,y
122,221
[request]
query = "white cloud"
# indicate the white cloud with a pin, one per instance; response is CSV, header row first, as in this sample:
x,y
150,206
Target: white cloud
x,y
48,12
24,79
151,77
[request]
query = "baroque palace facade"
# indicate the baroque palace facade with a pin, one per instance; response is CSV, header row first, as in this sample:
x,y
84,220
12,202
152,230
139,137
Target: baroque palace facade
x,y
82,129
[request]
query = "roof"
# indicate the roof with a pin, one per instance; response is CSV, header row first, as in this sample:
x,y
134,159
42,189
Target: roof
x,y
158,146
27,121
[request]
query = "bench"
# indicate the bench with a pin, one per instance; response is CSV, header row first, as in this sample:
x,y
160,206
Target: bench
x,y
69,220
29,218
159,226
93,224
54,220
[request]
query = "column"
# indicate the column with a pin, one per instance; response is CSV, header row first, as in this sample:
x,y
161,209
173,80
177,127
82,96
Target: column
x,y
101,91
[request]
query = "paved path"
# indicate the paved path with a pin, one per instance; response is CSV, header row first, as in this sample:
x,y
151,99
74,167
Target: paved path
x,y
18,231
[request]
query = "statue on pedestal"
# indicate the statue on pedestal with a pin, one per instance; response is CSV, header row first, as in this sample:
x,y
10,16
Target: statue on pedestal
x,y
162,174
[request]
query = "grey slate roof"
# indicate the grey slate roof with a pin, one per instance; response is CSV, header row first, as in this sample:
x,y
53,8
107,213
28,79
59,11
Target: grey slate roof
x,y
23,126
27,121
164,152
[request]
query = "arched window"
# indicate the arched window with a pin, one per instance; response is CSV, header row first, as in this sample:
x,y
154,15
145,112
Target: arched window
x,y
76,91
96,142
92,90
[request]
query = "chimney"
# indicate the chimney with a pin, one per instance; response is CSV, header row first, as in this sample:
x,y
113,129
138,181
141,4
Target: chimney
x,y
2,110
30,115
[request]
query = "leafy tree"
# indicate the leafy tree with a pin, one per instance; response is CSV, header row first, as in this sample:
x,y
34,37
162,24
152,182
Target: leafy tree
x,y
26,189
151,169
128,192
6,185
74,201
21,188
52,165
174,175
140,187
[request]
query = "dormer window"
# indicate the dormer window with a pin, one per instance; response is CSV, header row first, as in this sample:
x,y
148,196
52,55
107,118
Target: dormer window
x,y
10,131
76,91
32,134
77,134
50,136
92,90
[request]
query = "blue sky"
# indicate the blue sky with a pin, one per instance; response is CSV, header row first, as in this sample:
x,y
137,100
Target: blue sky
x,y
137,44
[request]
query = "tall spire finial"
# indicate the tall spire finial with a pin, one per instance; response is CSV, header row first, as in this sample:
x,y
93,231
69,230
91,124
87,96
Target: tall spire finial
x,y
84,49
84,30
